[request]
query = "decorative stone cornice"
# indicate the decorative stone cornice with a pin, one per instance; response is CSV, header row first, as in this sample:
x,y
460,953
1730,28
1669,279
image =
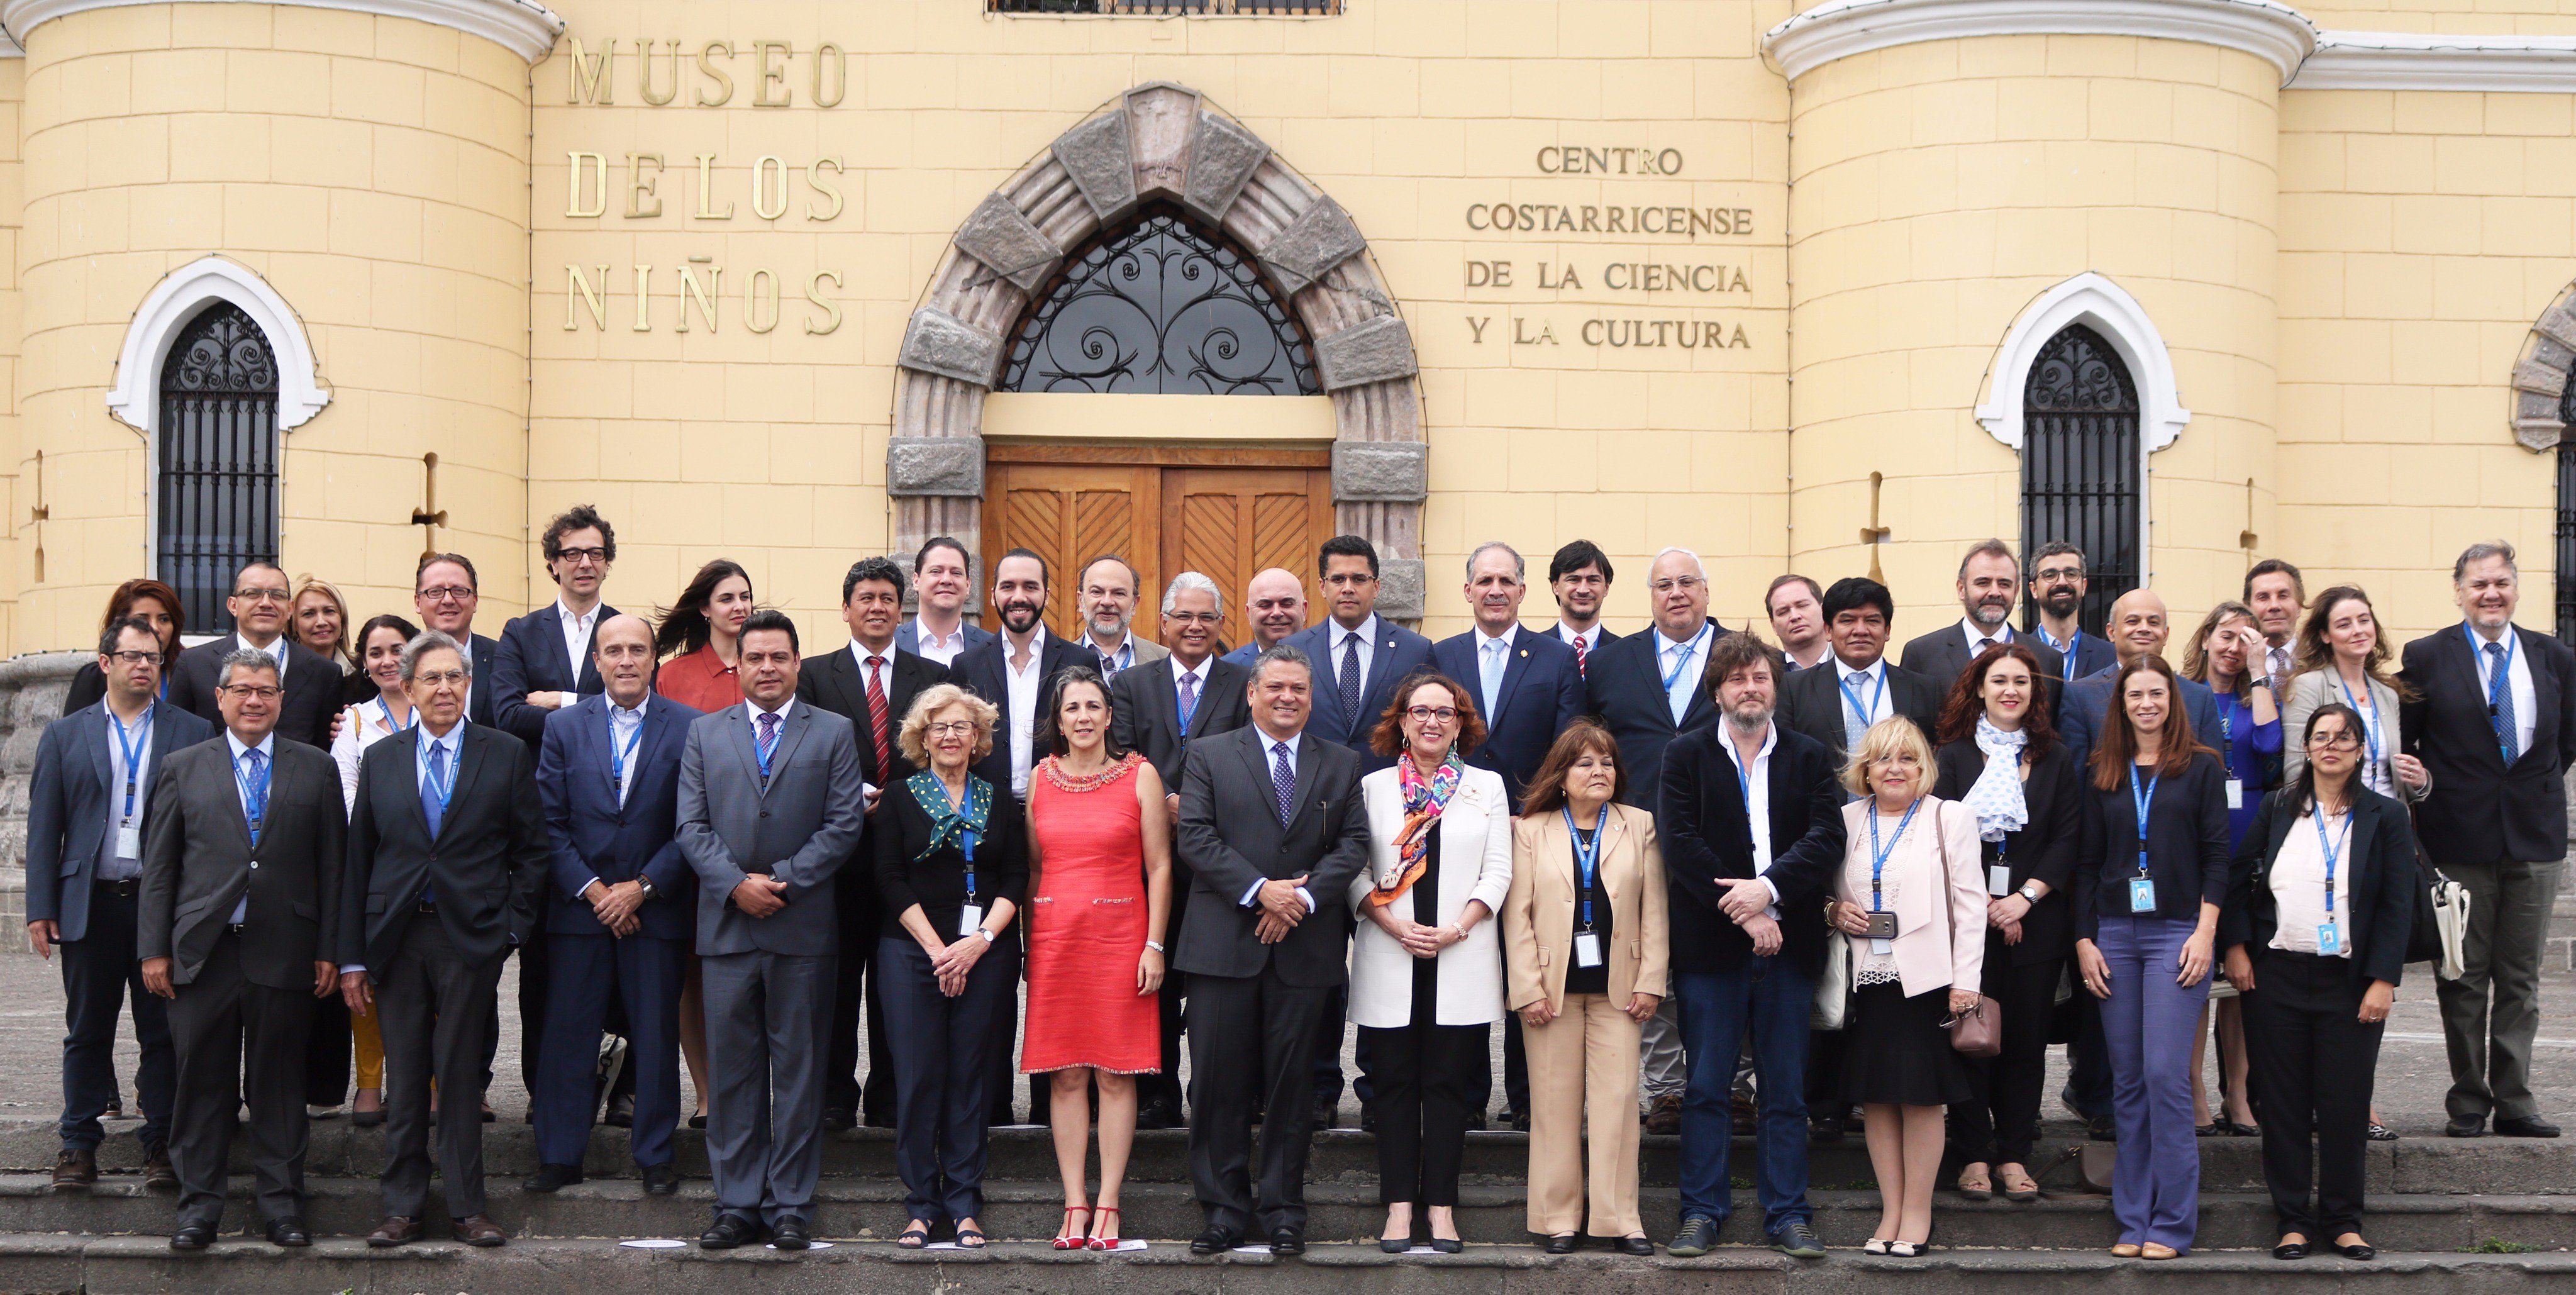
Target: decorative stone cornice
x,y
2274,32
2379,60
523,27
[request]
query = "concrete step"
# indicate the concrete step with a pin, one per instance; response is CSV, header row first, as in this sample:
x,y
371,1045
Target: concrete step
x,y
873,1208
119,1266
2421,1162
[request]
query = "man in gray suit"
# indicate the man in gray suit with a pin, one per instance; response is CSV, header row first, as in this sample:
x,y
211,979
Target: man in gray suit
x,y
770,807
96,770
1272,831
241,877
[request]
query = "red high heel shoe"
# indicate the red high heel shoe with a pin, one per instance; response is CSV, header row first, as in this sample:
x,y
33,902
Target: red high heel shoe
x,y
1075,1241
1109,1242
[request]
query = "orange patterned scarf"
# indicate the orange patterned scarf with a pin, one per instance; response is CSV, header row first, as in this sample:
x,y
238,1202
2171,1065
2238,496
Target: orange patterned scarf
x,y
1423,801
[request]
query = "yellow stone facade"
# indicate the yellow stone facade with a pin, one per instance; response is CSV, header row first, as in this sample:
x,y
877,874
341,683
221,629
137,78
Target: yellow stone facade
x,y
2341,233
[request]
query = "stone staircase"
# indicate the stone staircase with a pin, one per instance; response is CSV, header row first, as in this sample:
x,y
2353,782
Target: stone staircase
x,y
2473,1216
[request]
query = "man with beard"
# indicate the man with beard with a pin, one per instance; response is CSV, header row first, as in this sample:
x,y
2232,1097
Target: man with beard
x,y
2057,588
1796,606
1108,608
2276,592
1579,576
938,632
1750,818
1015,672
1989,585
1274,605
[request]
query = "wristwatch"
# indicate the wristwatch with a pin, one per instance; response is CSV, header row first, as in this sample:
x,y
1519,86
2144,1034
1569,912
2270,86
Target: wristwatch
x,y
988,935
2028,894
645,884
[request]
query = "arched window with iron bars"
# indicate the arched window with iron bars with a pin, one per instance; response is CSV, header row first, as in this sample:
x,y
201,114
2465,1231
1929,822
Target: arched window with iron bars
x,y
2081,467
215,482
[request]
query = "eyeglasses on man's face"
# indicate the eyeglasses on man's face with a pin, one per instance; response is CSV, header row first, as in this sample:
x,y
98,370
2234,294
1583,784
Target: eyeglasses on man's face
x,y
135,658
254,691
579,557
447,594
254,594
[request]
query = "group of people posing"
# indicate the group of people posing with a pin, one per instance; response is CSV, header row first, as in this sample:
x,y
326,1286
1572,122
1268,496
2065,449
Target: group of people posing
x,y
1756,887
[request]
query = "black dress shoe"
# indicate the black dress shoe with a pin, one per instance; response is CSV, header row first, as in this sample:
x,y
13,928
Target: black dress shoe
x,y
1562,1245
729,1232
1637,1246
2099,1129
838,1118
552,1178
621,1112
192,1236
661,1180
2524,1126
1325,1114
288,1232
2466,1126
789,1235
2290,1250
1214,1241
1287,1241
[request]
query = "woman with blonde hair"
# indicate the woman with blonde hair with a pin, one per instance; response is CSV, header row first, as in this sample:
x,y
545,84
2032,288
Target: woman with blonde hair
x,y
319,620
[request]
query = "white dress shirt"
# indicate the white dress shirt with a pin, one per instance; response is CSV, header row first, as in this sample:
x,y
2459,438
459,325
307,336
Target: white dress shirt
x,y
625,727
576,632
1669,658
1869,685
1591,638
932,647
1023,685
276,651
1115,660
1367,633
1968,629
1757,801
2299,885
1198,672
114,863
1270,749
2526,703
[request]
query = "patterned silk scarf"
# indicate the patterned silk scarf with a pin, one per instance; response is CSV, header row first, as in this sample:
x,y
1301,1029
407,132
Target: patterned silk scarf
x,y
1996,796
1423,801
947,826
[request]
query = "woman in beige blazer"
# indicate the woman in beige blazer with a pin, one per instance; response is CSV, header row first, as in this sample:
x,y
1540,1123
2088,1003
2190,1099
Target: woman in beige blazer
x,y
1582,1001
2343,657
1426,967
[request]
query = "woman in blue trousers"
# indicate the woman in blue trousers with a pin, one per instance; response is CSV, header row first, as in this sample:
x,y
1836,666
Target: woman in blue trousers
x,y
2149,884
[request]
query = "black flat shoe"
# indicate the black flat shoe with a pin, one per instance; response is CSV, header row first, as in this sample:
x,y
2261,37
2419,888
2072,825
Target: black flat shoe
x,y
1640,1247
2361,1251
370,1119
697,1121
1448,1245
1562,1245
192,1236
2209,1130
2290,1250
2236,1130
2471,1126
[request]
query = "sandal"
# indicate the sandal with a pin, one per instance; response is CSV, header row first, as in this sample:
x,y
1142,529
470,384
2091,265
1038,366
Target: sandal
x,y
2025,1190
964,1244
1109,1242
1067,1236
2381,1133
1977,1189
916,1234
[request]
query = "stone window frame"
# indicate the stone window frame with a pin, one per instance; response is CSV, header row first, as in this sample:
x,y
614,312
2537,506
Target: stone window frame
x,y
2540,376
1163,140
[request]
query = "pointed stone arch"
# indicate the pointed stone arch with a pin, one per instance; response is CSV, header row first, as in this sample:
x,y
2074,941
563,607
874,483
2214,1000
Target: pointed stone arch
x,y
2540,376
1163,141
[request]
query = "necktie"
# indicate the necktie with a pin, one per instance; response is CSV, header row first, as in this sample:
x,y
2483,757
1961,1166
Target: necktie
x,y
255,804
879,726
430,806
1580,667
1189,700
1284,780
1983,644
1492,669
1854,722
1108,664
1350,680
2507,732
767,743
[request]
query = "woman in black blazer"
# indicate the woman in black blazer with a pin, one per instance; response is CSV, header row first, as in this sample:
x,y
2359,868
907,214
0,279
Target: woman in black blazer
x,y
2028,819
2319,906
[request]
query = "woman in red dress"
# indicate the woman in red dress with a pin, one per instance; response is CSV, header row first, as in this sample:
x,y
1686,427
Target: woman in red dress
x,y
1100,891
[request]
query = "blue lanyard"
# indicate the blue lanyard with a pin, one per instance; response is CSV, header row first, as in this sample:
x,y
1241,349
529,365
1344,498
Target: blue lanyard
x,y
133,752
2227,732
1852,695
255,799
1877,856
1682,662
2496,685
2065,651
446,788
1587,857
404,727
2370,718
617,757
2326,848
765,757
2145,800
966,846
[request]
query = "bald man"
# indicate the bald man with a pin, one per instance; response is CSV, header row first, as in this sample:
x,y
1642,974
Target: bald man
x,y
1274,605
2138,628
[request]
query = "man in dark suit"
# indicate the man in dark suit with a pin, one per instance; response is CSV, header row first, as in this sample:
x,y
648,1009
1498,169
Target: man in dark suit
x,y
619,903
1358,657
1273,832
871,684
770,811
2138,630
1989,585
1528,688
260,605
446,591
1579,577
448,853
939,630
241,882
2057,588
97,770
1159,708
2494,720
1748,936
1837,700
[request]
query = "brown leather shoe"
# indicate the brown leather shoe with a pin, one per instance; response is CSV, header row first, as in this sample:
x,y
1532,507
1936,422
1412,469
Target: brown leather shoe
x,y
480,1230
1665,1116
396,1230
157,1174
74,1170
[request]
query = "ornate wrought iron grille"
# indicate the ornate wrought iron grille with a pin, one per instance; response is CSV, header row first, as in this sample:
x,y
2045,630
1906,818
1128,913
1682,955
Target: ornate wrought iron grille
x,y
2567,514
1161,308
217,487
2080,463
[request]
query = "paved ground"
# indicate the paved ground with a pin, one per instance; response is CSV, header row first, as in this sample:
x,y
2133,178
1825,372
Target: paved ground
x,y
2412,1071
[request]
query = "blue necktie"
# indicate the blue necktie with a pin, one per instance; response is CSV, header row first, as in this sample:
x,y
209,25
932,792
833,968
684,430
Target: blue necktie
x,y
430,805
1284,779
767,743
1492,670
2507,731
254,793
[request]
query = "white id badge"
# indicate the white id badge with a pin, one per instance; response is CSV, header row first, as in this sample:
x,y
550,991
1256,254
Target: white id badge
x,y
2142,894
2329,939
2236,793
1998,880
129,840
1587,950
1882,946
968,918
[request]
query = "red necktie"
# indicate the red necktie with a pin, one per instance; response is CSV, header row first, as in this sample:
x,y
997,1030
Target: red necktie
x,y
877,724
1579,654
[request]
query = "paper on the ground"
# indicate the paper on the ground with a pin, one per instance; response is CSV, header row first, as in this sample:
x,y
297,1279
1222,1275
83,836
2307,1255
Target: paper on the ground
x,y
1130,1243
653,1243
810,1245
1252,1250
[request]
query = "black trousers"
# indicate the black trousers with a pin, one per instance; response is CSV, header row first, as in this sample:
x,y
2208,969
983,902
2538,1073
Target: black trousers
x,y
1825,1074
1429,1079
858,992
940,1144
1998,1124
2310,1062
534,973
327,1044
238,1042
439,1015
100,975
1516,1098
1252,1036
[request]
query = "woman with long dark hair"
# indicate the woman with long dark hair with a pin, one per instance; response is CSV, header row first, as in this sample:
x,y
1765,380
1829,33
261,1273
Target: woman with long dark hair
x,y
2226,653
2343,657
153,601
698,638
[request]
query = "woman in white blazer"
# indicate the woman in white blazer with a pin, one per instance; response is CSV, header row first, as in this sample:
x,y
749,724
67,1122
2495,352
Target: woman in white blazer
x,y
1426,966
1912,904
1583,1002
2343,657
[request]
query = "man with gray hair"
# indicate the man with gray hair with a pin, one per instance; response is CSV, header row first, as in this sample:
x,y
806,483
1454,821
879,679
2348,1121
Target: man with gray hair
x,y
2494,721
1108,600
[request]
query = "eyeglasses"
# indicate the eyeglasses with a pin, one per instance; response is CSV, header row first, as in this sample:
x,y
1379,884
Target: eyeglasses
x,y
1193,618
1350,579
2050,575
136,658
447,594
261,595
944,727
436,677
1671,583
1427,714
580,556
249,691
2342,739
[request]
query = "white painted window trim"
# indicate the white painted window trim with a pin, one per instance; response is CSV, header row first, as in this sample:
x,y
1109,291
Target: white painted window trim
x,y
135,400
523,27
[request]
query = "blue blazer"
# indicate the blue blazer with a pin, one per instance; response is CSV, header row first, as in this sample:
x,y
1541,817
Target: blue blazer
x,y
1541,694
593,837
68,805
907,636
530,658
2088,704
1399,652
1624,689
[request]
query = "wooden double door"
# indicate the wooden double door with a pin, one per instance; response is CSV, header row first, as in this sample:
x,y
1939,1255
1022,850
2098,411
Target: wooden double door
x,y
1225,513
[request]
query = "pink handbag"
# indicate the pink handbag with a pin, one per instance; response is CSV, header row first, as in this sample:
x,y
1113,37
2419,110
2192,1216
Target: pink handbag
x,y
1980,1032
